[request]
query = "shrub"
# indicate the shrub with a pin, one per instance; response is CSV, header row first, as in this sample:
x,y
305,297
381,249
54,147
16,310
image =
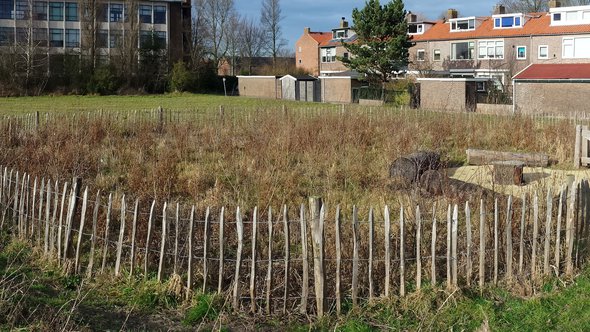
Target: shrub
x,y
104,81
180,79
204,308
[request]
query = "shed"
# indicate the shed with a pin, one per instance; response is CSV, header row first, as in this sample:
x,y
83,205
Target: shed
x,y
450,94
339,89
304,88
559,89
260,86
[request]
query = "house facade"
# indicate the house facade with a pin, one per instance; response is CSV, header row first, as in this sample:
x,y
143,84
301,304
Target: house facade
x,y
501,45
59,27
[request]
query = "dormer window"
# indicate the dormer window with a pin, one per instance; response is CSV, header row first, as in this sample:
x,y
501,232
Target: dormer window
x,y
416,29
340,34
508,21
575,15
462,24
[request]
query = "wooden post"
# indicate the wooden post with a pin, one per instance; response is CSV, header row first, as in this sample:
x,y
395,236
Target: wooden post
x,y
371,239
496,240
253,262
47,211
454,240
535,235
206,250
52,239
147,240
71,211
94,232
402,258
121,237
81,231
305,276
163,242
316,209
482,244
356,237
240,234
578,147
433,247
61,214
449,247
570,228
469,265
221,252
176,222
189,272
548,232
558,231
133,232
106,233
14,213
387,242
40,212
287,254
508,231
418,249
338,262
269,265
33,221
522,226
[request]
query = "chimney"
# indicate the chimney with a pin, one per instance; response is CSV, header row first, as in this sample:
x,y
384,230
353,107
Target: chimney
x,y
343,23
412,18
499,10
554,4
306,30
452,13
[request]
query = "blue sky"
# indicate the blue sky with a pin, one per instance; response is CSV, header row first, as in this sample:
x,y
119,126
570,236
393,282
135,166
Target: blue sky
x,y
324,15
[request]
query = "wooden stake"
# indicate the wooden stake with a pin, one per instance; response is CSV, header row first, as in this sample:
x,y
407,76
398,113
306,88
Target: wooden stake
x,y
81,232
548,232
449,247
60,224
163,242
496,240
147,240
206,250
482,244
338,262
189,272
371,248
121,237
47,210
558,231
305,276
317,228
387,242
535,235
418,249
469,267
433,247
508,231
269,265
356,237
454,240
253,262
106,233
522,226
133,232
240,233
176,222
221,252
287,254
402,258
94,232
570,230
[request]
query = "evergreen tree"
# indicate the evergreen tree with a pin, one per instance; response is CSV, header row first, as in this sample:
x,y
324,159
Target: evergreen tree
x,y
382,40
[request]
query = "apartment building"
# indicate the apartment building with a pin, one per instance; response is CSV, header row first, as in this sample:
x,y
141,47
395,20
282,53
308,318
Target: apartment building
x,y
62,27
318,52
501,45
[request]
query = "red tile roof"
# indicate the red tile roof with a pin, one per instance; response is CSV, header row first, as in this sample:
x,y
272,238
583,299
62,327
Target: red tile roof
x,y
569,71
321,37
536,24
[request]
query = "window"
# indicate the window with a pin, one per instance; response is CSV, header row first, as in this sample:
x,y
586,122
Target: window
x,y
436,55
415,28
340,34
159,14
521,52
462,51
40,10
102,11
481,86
72,38
571,16
543,52
56,37
116,12
102,36
56,11
508,21
328,54
6,9
345,55
420,55
160,39
115,39
71,11
557,17
491,49
145,14
144,38
576,48
6,36
299,49
22,10
463,24
40,36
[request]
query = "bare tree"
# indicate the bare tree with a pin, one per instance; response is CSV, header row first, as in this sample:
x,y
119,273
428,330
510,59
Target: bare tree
x,y
524,6
576,2
215,17
270,18
252,40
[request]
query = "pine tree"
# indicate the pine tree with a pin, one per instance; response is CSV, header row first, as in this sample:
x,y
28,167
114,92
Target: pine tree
x,y
382,40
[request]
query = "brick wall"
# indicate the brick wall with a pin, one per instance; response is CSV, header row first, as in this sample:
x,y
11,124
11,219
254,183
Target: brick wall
x,y
259,86
551,98
443,95
307,54
337,89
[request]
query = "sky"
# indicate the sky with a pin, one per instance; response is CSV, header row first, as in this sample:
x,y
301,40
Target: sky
x,y
324,15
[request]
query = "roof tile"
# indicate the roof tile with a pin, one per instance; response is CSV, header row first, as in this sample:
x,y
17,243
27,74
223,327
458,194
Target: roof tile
x,y
567,71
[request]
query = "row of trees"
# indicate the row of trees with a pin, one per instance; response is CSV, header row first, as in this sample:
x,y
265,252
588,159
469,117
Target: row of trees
x,y
216,31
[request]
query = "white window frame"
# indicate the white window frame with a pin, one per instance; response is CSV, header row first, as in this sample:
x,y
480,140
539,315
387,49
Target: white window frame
x,y
580,48
454,24
327,53
423,58
487,46
514,16
519,57
468,46
539,52
434,53
581,13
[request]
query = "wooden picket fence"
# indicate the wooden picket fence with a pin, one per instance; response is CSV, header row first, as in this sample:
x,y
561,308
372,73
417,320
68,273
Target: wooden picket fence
x,y
309,260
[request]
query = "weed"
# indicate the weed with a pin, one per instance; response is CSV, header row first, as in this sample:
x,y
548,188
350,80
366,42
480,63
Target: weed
x,y
204,307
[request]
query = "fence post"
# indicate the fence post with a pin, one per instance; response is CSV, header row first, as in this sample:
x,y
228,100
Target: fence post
x,y
356,237
317,226
509,239
558,231
121,236
402,258
189,272
449,277
433,247
522,226
496,239
535,235
40,209
163,242
52,239
387,250
418,249
133,232
240,234
47,218
221,252
338,261
469,242
60,223
269,267
578,147
81,230
287,254
71,211
106,233
93,239
147,240
482,244
570,228
454,234
176,222
305,276
206,249
548,232
253,262
32,235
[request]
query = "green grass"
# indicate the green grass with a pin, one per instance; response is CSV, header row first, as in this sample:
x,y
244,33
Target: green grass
x,y
183,101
